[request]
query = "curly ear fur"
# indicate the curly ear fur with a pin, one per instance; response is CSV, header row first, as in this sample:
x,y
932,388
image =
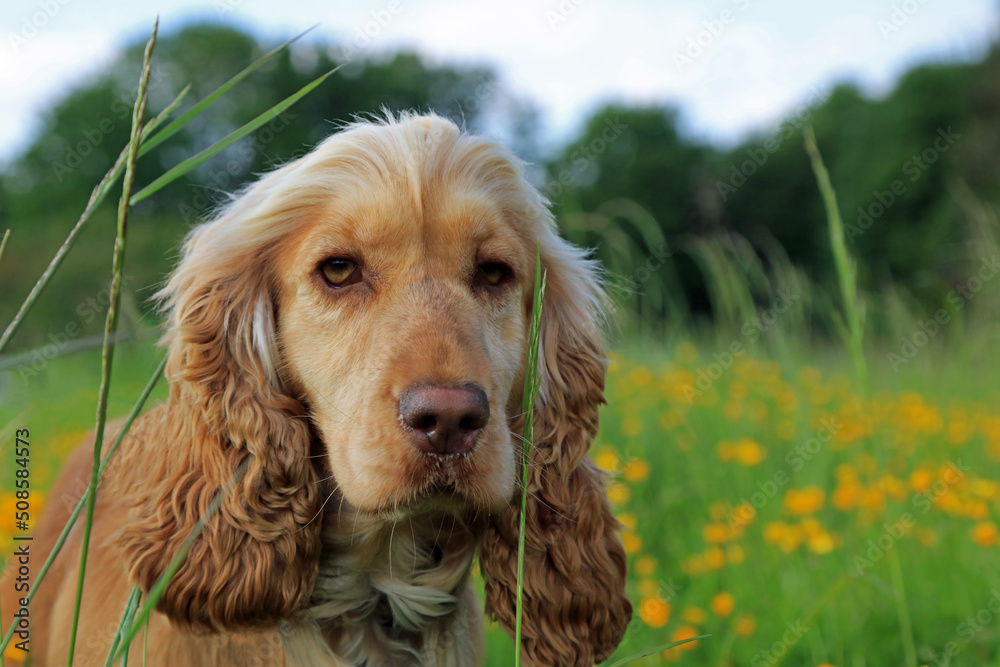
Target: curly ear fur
x,y
257,558
575,609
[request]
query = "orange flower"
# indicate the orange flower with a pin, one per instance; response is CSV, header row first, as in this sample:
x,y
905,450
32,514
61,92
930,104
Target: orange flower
x,y
632,543
808,500
618,494
715,558
645,566
748,452
694,615
745,625
654,612
607,459
984,533
680,634
734,554
636,470
722,604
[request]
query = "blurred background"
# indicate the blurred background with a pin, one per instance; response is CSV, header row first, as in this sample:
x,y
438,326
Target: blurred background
x,y
775,497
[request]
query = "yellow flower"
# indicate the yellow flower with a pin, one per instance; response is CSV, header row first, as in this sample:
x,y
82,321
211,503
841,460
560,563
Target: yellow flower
x,y
722,604
738,390
631,427
921,479
715,558
725,451
821,543
732,410
749,452
717,533
654,612
632,543
745,625
628,520
694,615
927,537
640,376
734,554
786,537
717,511
810,375
607,459
645,566
636,470
983,488
807,500
693,565
618,494
959,433
984,533
846,497
649,588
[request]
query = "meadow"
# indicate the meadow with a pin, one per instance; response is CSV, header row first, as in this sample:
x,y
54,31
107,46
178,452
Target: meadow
x,y
776,508
801,484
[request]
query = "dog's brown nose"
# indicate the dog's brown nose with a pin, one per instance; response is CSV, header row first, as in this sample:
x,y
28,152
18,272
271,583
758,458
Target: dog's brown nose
x,y
444,419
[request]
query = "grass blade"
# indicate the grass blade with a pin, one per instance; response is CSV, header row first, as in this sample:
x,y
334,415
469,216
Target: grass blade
x,y
531,386
179,123
846,268
111,324
57,547
126,622
656,649
187,165
3,243
96,197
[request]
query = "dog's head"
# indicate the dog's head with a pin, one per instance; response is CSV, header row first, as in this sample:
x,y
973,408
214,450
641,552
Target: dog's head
x,y
369,304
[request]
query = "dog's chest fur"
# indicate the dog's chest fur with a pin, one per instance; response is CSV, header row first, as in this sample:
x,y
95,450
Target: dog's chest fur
x,y
388,593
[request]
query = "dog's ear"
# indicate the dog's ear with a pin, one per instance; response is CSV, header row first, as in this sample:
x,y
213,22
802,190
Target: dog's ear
x,y
575,609
229,429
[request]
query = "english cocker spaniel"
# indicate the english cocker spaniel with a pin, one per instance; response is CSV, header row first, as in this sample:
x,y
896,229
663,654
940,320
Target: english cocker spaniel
x,y
347,340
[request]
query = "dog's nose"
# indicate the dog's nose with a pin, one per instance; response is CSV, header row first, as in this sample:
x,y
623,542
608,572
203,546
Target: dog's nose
x,y
444,419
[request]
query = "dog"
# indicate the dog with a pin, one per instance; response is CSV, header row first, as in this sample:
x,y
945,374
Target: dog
x,y
347,343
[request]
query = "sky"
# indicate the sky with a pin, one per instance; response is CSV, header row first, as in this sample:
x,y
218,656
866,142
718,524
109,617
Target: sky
x,y
731,67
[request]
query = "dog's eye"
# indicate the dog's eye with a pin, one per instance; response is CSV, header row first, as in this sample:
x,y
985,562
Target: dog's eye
x,y
492,273
340,272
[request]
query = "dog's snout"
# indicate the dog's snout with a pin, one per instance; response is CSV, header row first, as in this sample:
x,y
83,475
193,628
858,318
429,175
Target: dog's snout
x,y
444,419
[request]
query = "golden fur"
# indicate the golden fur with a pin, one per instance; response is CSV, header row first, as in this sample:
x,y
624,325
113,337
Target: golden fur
x,y
341,542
